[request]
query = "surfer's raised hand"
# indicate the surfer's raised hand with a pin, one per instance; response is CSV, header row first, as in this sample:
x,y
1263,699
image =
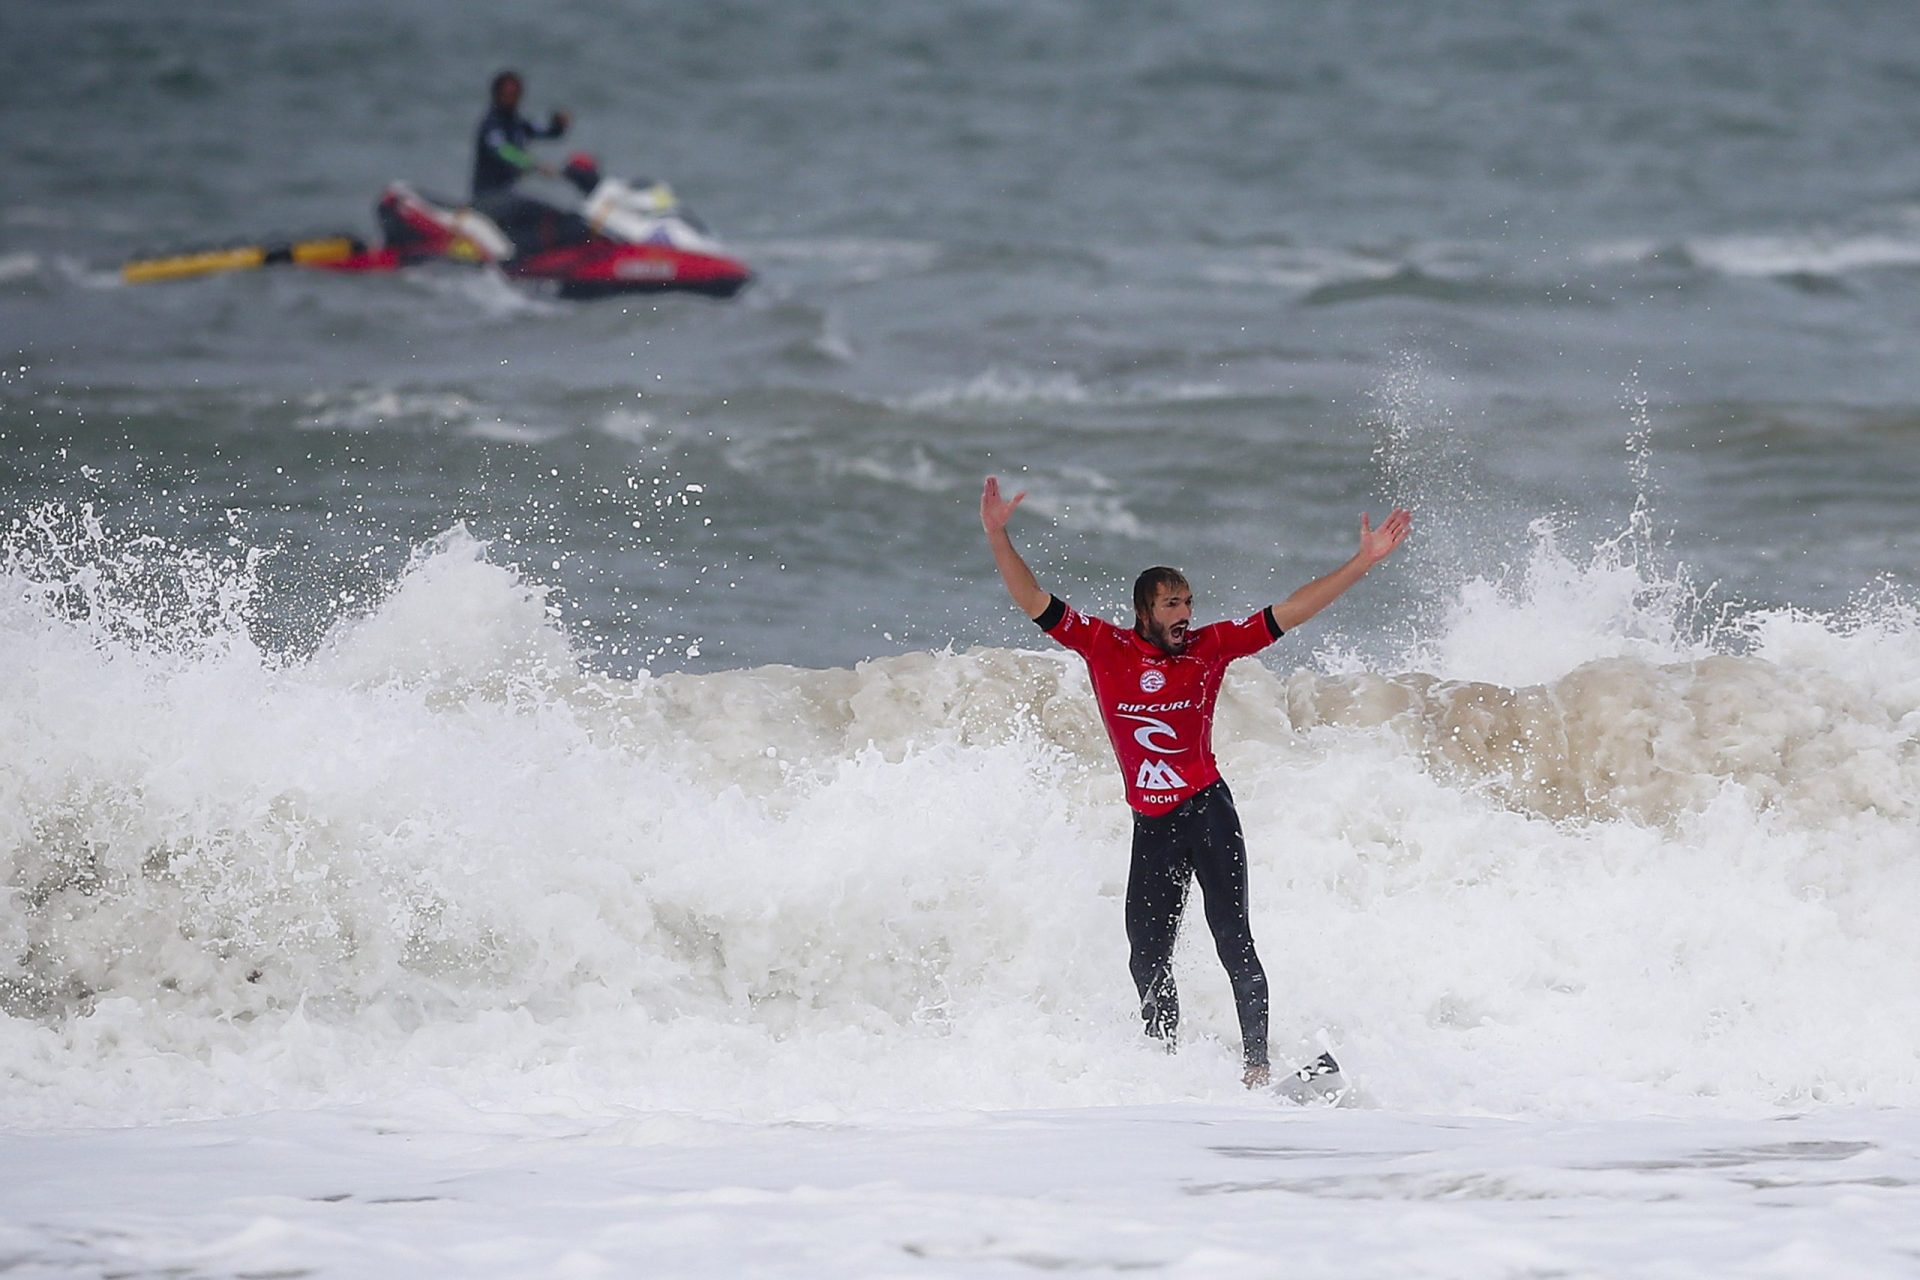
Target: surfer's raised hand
x,y
1377,544
995,511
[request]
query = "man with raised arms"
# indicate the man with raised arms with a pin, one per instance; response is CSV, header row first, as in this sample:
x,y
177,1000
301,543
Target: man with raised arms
x,y
1156,686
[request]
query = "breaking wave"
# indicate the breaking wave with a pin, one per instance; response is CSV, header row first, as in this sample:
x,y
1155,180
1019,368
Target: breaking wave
x,y
1548,864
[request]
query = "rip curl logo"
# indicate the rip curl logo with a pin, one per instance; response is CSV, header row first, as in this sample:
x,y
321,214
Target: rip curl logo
x,y
1151,728
1152,681
1158,775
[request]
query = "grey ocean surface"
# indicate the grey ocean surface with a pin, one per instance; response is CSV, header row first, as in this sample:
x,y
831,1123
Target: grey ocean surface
x,y
348,921
1208,279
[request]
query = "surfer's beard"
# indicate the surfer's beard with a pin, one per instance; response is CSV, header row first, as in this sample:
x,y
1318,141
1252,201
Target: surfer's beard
x,y
1170,639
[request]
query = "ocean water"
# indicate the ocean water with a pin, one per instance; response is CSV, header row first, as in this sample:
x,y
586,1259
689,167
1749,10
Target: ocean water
x,y
498,786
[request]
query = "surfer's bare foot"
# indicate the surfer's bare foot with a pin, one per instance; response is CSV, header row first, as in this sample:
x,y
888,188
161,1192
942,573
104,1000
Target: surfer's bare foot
x,y
1257,1077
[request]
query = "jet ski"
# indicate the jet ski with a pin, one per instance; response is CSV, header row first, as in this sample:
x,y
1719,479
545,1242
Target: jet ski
x,y
623,238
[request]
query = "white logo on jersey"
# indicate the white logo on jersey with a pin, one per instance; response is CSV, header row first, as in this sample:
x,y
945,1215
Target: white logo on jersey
x,y
1152,681
1150,729
1158,775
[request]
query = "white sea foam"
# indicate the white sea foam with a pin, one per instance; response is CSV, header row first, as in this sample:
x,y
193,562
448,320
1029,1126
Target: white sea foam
x,y
1013,388
913,468
632,426
84,274
488,292
832,344
1001,387
1554,611
1076,498
1299,267
1225,1192
379,408
1642,872
390,409
1080,498
18,266
1812,253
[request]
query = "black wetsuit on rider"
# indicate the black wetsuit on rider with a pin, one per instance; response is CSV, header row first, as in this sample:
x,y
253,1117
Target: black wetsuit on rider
x,y
500,157
500,152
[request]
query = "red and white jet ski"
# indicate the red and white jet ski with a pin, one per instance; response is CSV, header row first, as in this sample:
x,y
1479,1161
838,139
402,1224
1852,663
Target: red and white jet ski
x,y
622,239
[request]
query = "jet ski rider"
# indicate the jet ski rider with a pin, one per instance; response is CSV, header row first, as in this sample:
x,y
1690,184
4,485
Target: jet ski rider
x,y
500,152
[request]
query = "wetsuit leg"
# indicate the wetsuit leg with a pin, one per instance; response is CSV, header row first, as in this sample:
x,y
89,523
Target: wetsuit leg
x,y
1219,857
1156,895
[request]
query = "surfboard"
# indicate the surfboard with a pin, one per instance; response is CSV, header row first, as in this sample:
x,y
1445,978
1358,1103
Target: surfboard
x,y
1318,1081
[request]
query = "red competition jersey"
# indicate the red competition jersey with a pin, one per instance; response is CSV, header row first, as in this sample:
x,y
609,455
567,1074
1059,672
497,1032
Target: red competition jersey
x,y
1159,709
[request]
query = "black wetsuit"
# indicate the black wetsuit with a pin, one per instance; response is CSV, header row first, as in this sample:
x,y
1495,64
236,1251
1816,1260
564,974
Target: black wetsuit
x,y
500,148
1200,839
1158,710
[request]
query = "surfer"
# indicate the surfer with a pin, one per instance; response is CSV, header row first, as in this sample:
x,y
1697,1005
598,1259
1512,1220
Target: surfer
x,y
1156,686
500,152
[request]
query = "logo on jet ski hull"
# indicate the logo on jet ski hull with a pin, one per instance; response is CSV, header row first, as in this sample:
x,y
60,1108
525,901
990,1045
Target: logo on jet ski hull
x,y
644,269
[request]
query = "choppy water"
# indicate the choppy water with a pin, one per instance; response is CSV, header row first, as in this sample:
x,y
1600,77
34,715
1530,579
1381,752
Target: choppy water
x,y
1187,270
417,683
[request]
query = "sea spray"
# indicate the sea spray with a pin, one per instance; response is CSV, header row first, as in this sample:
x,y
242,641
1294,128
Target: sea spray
x,y
441,849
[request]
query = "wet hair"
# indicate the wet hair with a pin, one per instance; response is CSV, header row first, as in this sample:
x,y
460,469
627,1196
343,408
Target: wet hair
x,y
1146,587
501,78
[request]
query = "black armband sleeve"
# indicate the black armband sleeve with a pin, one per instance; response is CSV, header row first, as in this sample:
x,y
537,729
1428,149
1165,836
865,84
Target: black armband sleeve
x,y
1273,623
1056,609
